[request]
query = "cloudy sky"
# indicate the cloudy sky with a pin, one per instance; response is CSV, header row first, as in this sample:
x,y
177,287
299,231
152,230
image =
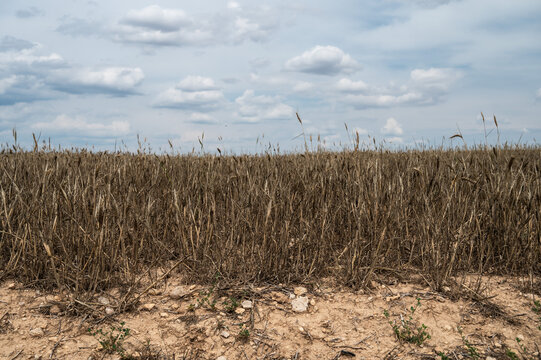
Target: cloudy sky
x,y
98,73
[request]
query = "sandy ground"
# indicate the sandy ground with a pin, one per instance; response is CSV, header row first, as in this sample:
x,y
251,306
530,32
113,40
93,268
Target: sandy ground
x,y
179,322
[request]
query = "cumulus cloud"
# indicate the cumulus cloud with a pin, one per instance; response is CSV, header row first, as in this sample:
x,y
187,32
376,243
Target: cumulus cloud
x,y
157,26
385,100
116,81
323,60
195,93
347,85
254,108
435,78
391,127
64,123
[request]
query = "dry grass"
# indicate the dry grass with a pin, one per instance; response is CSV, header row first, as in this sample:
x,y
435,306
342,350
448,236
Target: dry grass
x,y
87,221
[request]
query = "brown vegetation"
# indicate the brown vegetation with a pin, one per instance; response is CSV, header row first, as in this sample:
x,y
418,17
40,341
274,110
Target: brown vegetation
x,y
85,221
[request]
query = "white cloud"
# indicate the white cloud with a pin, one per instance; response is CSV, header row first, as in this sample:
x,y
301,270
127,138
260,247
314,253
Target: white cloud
x,y
197,83
65,123
392,127
360,131
194,93
347,85
538,94
323,60
157,26
394,140
154,17
435,78
254,108
385,100
119,81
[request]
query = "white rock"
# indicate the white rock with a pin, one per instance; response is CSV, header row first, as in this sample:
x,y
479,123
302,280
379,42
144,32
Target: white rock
x,y
109,310
312,302
148,307
300,304
240,310
177,292
246,304
292,296
103,300
36,332
221,358
224,334
300,290
164,314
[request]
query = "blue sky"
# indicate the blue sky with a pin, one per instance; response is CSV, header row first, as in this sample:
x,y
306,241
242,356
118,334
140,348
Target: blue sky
x,y
99,73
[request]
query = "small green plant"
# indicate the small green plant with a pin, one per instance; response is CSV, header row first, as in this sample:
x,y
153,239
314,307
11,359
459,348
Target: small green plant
x,y
524,352
231,304
443,356
244,333
472,350
112,341
406,330
191,308
206,299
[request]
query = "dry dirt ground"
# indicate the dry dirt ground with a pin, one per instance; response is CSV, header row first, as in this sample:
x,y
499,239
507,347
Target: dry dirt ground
x,y
181,321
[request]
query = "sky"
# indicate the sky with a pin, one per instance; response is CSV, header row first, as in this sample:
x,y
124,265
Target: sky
x,y
109,75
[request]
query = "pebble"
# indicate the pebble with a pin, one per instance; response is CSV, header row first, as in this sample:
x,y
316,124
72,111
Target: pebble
x,y
177,292
490,358
103,300
36,332
246,304
224,334
312,302
240,310
300,304
300,290
221,358
164,314
292,296
174,306
148,307
520,337
109,310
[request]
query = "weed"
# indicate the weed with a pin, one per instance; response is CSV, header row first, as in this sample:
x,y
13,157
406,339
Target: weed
x,y
470,348
443,356
112,341
536,308
231,304
244,333
406,330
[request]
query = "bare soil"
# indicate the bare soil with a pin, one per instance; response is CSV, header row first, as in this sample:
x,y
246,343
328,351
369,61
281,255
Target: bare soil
x,y
338,323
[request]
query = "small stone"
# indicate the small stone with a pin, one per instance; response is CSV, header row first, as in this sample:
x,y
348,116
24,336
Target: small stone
x,y
301,329
300,304
300,290
155,292
54,310
224,334
174,306
221,358
11,286
520,337
292,296
103,300
370,298
36,332
177,292
498,345
490,358
312,302
446,289
240,310
246,304
148,307
109,310
164,314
